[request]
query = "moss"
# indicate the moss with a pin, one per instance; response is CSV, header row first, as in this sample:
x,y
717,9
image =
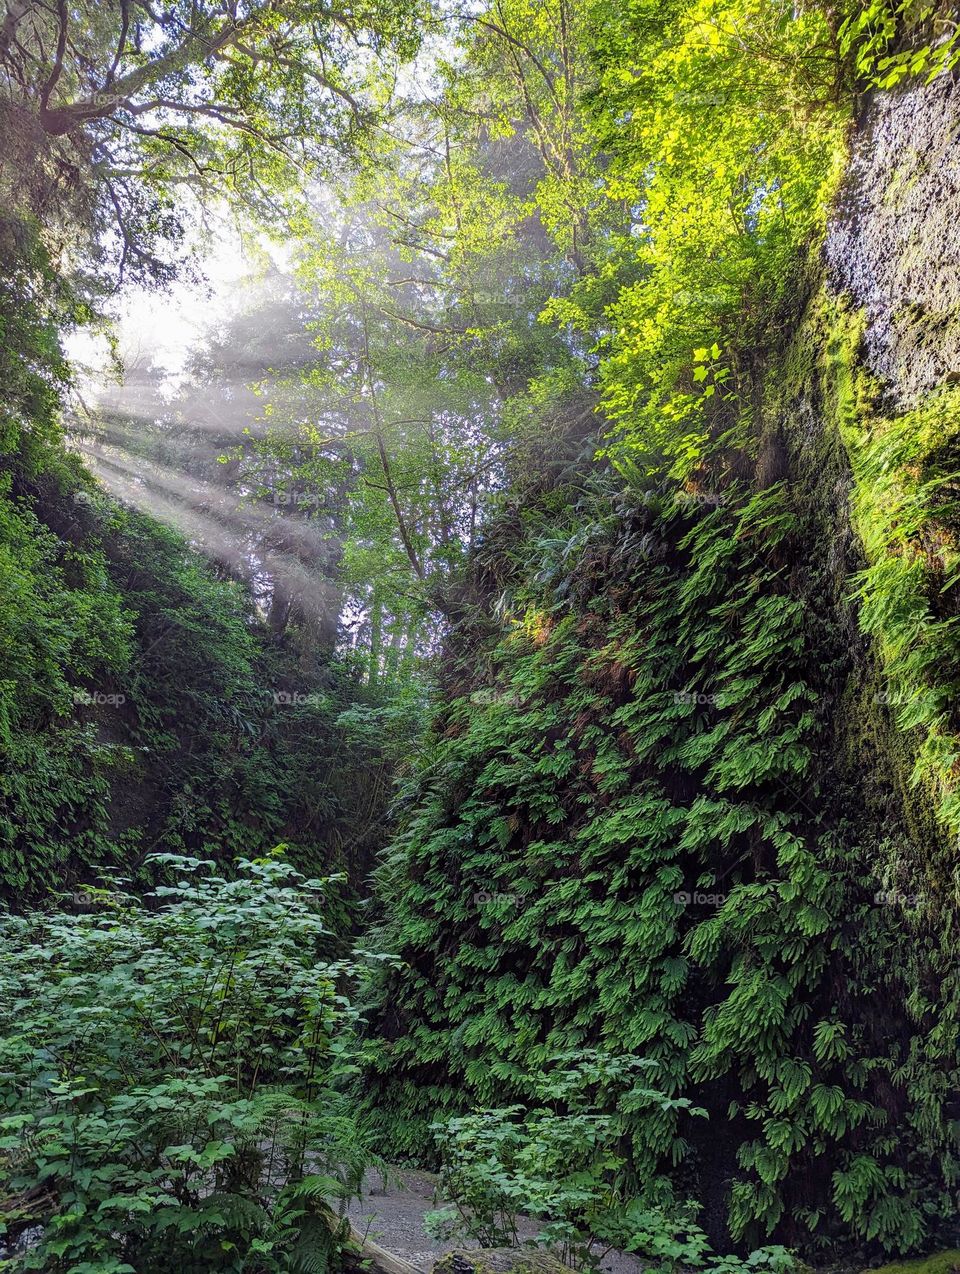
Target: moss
x,y
942,1263
904,181
822,377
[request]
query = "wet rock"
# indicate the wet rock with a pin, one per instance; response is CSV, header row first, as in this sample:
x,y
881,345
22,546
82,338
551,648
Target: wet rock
x,y
894,243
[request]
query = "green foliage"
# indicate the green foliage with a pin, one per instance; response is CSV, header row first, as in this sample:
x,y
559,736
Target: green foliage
x,y
906,470
169,1077
557,1164
611,832
144,706
633,839
634,826
110,112
872,35
722,129
647,823
35,304
561,1166
143,702
942,1263
61,625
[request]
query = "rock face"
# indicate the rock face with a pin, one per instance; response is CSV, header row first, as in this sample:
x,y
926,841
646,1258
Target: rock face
x,y
895,242
499,1260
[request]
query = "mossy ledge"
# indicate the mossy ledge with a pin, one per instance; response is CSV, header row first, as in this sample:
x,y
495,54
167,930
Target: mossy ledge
x,y
942,1263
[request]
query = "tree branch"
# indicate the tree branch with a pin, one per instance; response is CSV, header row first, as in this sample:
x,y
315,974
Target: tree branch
x,y
57,69
16,11
408,545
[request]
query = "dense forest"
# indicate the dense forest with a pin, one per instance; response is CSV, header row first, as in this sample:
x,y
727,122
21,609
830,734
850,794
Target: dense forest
x,y
491,707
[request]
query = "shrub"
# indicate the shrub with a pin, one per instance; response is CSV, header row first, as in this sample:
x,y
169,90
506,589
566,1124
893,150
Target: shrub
x,y
168,1079
561,1166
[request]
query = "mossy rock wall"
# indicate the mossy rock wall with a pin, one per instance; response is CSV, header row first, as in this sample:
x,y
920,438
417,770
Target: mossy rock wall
x,y
693,798
893,245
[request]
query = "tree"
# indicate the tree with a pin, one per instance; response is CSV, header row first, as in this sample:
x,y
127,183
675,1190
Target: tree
x,y
425,286
112,107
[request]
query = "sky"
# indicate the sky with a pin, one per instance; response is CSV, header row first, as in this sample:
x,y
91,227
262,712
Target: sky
x,y
167,322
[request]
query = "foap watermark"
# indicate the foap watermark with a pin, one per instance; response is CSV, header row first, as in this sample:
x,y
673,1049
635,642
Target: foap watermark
x,y
98,698
96,898
487,897
897,698
700,97
291,499
893,898
487,695
698,697
86,899
684,498
295,698
698,898
711,499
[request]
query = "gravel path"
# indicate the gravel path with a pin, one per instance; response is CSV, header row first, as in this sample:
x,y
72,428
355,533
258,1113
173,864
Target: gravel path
x,y
393,1217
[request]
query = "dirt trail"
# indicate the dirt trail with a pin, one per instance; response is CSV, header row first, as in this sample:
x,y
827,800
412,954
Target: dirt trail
x,y
393,1217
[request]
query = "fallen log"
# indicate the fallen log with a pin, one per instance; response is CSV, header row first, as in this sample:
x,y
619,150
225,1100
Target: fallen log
x,y
365,1256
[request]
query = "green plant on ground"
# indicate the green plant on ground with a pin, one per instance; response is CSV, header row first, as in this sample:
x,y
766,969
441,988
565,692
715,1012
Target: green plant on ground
x,y
169,1079
561,1165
